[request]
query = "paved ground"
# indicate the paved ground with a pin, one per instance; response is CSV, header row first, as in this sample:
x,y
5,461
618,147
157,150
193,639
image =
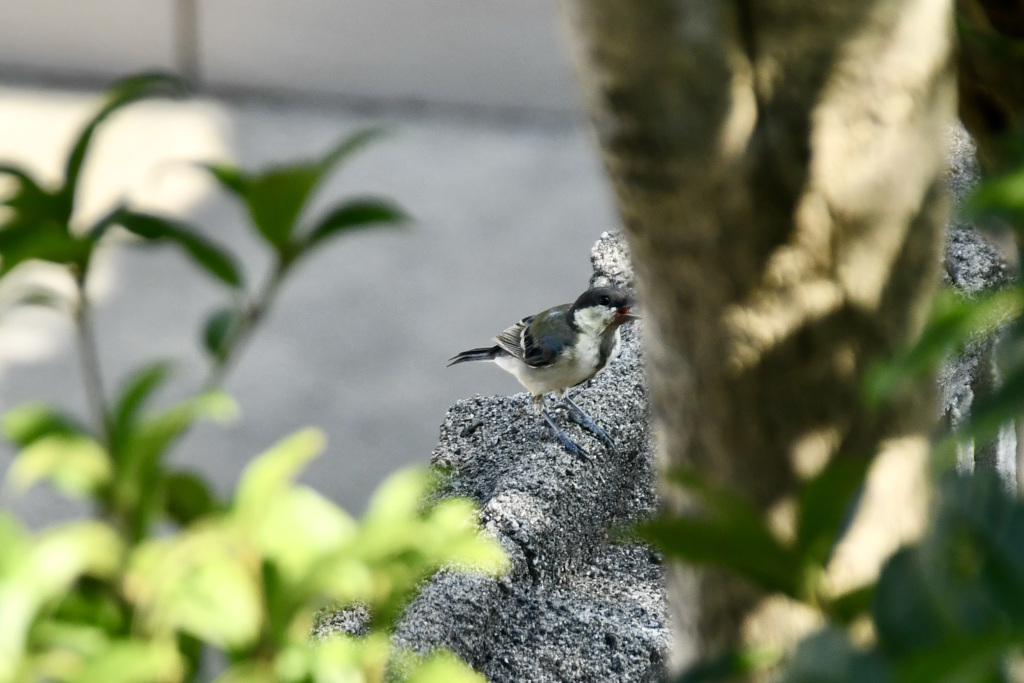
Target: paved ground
x,y
506,215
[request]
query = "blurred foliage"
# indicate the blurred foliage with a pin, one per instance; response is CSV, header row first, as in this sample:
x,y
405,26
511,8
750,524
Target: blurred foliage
x,y
167,571
729,532
948,608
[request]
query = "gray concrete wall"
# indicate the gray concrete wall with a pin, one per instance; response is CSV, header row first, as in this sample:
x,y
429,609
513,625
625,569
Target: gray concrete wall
x,y
481,53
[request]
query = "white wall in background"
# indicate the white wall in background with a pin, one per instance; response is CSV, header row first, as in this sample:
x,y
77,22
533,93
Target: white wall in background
x,y
486,53
90,38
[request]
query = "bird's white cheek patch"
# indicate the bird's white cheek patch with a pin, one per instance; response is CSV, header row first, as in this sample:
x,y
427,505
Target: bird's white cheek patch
x,y
593,320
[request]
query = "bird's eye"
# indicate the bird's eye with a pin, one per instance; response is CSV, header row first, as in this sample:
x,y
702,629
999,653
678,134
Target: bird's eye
x,y
605,300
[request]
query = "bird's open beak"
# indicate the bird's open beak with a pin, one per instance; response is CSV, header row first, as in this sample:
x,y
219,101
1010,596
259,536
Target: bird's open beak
x,y
623,315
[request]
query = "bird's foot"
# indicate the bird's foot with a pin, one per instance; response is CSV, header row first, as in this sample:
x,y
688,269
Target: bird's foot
x,y
568,444
585,421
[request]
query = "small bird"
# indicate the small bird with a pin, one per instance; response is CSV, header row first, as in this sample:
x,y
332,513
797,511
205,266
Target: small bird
x,y
561,348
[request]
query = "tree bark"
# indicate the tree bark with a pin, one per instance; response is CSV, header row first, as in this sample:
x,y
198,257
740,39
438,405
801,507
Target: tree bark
x,y
990,63
778,168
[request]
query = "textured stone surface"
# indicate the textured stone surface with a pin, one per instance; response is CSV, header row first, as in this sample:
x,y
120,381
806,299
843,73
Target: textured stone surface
x,y
973,264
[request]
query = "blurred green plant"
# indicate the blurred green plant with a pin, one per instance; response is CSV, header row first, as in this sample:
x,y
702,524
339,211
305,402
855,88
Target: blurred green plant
x,y
949,608
126,597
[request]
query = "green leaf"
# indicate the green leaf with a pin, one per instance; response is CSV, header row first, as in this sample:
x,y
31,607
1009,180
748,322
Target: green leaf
x,y
29,198
299,528
230,177
352,144
908,616
731,665
38,571
400,542
122,94
134,661
143,448
252,672
966,660
213,258
274,198
202,581
955,321
441,666
27,238
188,497
154,434
364,658
68,551
137,390
15,542
964,580
273,471
976,537
192,650
93,603
1002,196
32,421
74,464
219,328
727,533
36,226
398,499
346,580
353,214
22,177
84,639
17,607
848,606
993,410
104,222
827,502
746,549
829,657
450,533
277,197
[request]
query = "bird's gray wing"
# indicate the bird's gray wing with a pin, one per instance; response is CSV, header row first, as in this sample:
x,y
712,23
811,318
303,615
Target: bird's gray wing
x,y
545,336
511,340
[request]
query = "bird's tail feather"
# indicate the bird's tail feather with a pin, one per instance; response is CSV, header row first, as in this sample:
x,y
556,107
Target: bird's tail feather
x,y
483,353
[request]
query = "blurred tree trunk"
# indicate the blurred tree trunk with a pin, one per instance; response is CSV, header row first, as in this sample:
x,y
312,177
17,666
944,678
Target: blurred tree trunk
x,y
778,167
991,77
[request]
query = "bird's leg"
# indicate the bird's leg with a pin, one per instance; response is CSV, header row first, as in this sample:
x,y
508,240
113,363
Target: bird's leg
x,y
567,443
585,421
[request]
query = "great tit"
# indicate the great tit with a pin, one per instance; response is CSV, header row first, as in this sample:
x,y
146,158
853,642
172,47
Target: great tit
x,y
561,348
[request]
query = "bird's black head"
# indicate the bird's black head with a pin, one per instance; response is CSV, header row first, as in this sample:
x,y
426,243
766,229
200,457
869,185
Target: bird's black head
x,y
609,297
605,306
